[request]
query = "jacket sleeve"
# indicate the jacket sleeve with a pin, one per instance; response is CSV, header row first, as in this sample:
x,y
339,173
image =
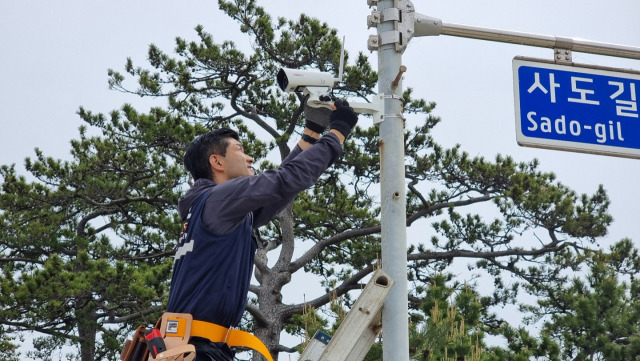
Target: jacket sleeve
x,y
268,193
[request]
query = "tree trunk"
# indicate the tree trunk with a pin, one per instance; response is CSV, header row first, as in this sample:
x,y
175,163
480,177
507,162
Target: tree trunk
x,y
87,331
270,297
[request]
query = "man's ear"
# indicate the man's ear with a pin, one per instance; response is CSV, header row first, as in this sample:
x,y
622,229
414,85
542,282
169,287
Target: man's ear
x,y
216,162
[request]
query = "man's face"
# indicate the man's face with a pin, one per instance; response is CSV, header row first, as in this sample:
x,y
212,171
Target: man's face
x,y
236,162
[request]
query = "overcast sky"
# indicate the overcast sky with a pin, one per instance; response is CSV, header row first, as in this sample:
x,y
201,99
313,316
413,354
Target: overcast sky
x,y
54,57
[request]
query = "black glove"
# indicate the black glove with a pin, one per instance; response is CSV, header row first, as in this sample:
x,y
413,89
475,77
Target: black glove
x,y
343,119
317,119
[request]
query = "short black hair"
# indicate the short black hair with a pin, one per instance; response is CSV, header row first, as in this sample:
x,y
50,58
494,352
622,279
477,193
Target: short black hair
x,y
196,157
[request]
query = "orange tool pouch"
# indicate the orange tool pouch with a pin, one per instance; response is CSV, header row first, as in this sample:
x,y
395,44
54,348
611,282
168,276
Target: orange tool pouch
x,y
135,349
177,347
177,328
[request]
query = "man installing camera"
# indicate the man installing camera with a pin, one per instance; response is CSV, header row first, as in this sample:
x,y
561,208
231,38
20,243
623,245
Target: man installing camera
x,y
215,254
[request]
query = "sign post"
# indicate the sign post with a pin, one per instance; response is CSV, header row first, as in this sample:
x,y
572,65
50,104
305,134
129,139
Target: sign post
x,y
576,108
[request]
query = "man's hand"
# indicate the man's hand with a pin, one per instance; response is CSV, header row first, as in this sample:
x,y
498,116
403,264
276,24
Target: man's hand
x,y
317,119
343,119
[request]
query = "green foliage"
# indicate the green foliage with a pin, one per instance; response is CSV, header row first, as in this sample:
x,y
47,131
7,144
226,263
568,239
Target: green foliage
x,y
457,326
597,316
522,346
8,347
86,241
453,328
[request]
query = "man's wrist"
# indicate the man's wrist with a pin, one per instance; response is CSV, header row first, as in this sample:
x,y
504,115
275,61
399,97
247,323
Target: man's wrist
x,y
338,134
311,133
315,127
309,139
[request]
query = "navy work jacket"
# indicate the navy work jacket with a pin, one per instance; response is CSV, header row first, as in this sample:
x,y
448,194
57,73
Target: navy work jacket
x,y
215,253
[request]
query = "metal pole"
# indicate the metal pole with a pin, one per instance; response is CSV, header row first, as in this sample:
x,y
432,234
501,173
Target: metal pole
x,y
393,218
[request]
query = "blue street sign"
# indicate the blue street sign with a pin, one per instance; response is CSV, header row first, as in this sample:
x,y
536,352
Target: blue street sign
x,y
577,108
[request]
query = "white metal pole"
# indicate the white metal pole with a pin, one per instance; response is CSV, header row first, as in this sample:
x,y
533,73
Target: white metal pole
x,y
395,324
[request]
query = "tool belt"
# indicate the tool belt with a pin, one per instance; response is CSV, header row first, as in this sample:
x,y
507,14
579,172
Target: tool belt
x,y
176,330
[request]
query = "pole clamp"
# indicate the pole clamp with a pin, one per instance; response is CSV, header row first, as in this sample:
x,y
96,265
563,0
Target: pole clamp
x,y
562,50
402,15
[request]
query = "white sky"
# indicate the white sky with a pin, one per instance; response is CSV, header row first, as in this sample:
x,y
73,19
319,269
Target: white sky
x,y
54,58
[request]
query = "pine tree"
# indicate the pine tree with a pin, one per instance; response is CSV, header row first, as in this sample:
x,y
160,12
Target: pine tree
x,y
87,243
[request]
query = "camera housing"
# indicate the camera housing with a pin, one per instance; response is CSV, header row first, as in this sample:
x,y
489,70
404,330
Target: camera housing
x,y
295,80
316,86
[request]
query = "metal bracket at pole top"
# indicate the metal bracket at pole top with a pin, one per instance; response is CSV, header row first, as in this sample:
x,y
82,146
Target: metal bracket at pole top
x,y
403,15
376,107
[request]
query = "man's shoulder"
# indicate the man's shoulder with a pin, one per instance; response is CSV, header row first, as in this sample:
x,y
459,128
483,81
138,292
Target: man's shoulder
x,y
193,194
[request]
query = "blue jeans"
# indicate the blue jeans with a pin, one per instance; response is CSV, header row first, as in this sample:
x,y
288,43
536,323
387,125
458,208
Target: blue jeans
x,y
211,351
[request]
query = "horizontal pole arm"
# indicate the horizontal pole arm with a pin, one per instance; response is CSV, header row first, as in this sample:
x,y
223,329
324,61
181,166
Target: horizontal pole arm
x,y
543,41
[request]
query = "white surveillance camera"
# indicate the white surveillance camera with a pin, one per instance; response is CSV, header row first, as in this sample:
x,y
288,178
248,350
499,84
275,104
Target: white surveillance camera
x,y
294,80
316,85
